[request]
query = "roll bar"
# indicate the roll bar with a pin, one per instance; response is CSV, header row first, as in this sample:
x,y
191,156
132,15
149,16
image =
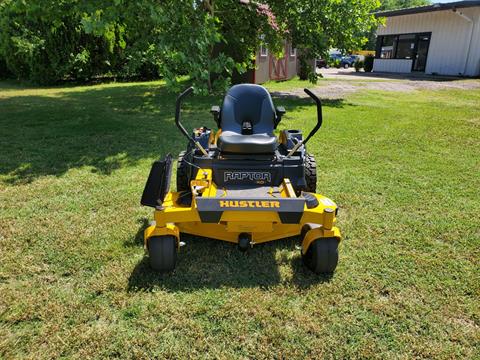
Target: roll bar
x,y
178,107
316,128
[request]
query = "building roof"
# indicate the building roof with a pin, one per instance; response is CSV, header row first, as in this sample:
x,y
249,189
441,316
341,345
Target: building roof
x,y
429,8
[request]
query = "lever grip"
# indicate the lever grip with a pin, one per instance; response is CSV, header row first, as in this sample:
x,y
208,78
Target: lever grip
x,y
178,106
319,114
315,129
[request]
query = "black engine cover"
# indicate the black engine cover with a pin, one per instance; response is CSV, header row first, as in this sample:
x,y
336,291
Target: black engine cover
x,y
237,171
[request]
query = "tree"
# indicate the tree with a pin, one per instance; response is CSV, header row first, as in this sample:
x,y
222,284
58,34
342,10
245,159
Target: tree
x,y
43,41
401,4
317,26
206,40
211,38
71,39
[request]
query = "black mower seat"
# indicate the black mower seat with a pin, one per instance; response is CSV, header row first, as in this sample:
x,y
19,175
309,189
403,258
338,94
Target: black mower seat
x,y
231,142
247,121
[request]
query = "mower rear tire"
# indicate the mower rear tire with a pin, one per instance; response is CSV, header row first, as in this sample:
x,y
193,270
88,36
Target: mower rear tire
x,y
310,173
322,256
182,173
162,251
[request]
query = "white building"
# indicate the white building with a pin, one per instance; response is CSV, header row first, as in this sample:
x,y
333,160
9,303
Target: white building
x,y
441,39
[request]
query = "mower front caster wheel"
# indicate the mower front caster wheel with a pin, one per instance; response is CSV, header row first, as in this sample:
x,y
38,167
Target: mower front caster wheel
x,y
162,251
322,256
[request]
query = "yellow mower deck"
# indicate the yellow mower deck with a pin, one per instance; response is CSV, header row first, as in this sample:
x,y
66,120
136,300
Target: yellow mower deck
x,y
266,213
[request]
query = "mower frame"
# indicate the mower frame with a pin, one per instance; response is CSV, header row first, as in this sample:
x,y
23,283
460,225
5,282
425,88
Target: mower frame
x,y
213,210
237,216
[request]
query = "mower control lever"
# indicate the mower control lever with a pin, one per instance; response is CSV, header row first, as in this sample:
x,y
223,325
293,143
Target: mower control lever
x,y
215,111
315,129
180,126
279,111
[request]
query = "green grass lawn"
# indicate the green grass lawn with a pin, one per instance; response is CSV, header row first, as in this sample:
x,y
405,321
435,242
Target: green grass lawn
x,y
74,282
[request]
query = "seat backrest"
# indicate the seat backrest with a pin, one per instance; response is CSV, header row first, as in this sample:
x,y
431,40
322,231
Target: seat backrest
x,y
248,102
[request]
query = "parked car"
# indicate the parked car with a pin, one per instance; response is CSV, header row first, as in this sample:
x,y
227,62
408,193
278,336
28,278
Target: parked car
x,y
348,61
335,56
324,63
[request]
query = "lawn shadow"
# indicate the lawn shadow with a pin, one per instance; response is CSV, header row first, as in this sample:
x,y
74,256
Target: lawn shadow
x,y
104,128
207,263
211,264
299,98
304,278
414,76
137,240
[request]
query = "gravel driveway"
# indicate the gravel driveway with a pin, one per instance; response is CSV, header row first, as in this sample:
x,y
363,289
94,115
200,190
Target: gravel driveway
x,y
342,82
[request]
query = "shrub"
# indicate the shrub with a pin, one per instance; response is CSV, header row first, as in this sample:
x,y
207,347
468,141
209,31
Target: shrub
x,y
331,62
46,43
359,64
4,73
57,40
368,63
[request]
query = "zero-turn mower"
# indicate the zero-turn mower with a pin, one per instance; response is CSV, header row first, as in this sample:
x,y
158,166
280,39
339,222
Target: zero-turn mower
x,y
242,184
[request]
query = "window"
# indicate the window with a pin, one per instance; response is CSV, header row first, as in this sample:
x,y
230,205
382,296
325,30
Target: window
x,y
405,46
293,51
263,51
387,46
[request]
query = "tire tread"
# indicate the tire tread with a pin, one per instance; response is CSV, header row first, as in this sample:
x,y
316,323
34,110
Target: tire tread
x,y
310,173
182,173
162,251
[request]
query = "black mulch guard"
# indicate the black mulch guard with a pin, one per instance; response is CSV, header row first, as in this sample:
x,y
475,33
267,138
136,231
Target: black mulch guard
x,y
158,183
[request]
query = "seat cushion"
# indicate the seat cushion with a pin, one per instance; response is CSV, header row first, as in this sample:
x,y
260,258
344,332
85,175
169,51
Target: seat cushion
x,y
248,103
231,142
